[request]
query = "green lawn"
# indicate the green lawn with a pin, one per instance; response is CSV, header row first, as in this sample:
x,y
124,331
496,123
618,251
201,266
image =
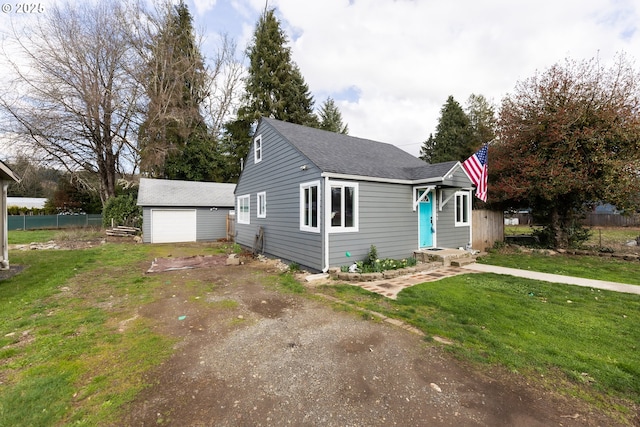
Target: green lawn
x,y
589,267
582,341
62,359
23,237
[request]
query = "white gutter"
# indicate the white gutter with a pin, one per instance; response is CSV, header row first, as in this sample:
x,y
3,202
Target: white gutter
x,y
326,214
376,179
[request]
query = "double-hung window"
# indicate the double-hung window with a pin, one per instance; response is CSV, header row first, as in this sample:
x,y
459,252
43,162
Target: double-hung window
x,y
244,211
257,149
344,206
262,204
462,208
310,206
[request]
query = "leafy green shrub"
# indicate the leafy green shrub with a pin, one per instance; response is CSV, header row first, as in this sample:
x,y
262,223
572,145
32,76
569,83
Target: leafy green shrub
x,y
372,256
123,210
294,267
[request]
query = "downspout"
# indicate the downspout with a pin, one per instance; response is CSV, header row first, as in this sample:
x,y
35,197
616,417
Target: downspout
x,y
325,215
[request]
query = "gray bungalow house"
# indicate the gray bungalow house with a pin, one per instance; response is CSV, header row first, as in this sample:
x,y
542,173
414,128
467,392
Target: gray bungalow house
x,y
321,199
184,211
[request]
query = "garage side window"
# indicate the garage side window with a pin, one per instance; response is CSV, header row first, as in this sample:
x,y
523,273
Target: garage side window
x,y
244,210
310,207
262,205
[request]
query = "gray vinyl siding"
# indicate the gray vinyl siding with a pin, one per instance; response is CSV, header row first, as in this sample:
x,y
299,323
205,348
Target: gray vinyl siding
x,y
146,225
386,220
210,224
448,235
279,175
459,179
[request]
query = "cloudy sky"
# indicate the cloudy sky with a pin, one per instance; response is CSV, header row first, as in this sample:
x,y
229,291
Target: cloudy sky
x,y
390,65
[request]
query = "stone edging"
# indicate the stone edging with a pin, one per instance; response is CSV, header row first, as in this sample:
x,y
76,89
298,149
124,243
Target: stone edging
x,y
336,274
618,255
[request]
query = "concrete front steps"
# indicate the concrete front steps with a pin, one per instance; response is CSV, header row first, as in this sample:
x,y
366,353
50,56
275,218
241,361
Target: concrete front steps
x,y
448,257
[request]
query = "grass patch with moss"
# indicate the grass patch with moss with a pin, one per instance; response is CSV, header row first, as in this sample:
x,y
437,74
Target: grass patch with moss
x,y
587,340
63,359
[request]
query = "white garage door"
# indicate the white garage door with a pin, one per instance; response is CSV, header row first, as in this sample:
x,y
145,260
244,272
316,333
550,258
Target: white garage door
x,y
173,226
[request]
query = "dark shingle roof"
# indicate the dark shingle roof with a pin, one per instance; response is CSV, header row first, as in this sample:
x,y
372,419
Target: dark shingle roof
x,y
165,192
348,155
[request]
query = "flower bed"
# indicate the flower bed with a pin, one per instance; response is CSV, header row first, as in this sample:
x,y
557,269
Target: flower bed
x,y
338,274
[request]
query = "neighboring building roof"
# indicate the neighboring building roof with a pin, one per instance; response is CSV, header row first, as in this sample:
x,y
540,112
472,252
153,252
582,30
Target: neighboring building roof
x,y
164,192
6,174
27,202
343,154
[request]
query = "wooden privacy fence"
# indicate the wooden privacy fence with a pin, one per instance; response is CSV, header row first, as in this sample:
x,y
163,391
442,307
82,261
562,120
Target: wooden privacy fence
x,y
488,228
611,220
590,220
231,227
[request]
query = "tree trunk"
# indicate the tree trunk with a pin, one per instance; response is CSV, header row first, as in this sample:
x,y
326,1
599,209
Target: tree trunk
x,y
558,230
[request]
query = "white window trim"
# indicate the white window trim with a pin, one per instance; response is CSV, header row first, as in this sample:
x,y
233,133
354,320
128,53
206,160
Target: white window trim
x,y
240,214
303,226
261,204
257,149
455,209
356,207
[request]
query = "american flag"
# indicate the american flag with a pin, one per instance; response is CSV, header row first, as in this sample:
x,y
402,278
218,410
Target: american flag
x,y
478,169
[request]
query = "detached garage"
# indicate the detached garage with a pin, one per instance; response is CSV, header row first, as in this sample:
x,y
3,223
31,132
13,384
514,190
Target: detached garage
x,y
184,211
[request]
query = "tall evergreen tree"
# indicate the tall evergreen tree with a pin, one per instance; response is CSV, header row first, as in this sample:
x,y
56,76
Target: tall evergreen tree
x,y
331,119
453,139
274,85
482,118
173,139
427,148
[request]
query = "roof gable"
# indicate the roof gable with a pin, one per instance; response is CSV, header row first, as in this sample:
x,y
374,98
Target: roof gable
x,y
6,174
164,192
347,155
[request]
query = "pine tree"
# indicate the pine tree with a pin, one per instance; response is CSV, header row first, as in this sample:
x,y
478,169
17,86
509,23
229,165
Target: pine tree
x,y
274,85
482,119
453,139
173,139
331,119
427,148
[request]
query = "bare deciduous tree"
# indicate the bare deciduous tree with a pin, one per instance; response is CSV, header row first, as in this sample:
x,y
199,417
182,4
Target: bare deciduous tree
x,y
224,85
75,102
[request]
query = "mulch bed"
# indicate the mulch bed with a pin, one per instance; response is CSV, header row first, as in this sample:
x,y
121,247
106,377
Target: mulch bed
x,y
12,271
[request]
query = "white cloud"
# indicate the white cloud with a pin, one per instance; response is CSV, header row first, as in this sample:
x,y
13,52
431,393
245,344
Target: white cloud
x,y
406,57
204,6
391,64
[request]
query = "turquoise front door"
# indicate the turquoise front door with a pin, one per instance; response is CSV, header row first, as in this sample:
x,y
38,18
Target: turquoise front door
x,y
425,221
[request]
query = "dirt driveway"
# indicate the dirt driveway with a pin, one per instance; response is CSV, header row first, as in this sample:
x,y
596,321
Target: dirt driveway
x,y
248,355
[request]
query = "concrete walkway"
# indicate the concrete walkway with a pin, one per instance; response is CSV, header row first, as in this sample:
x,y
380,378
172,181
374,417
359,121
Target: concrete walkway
x,y
391,287
555,278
